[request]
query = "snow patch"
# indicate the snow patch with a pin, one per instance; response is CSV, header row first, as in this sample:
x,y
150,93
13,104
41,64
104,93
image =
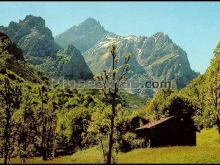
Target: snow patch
x,y
131,38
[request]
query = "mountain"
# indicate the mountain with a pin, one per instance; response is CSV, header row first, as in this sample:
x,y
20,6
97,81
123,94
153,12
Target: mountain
x,y
154,58
40,49
156,55
72,64
12,62
32,36
84,36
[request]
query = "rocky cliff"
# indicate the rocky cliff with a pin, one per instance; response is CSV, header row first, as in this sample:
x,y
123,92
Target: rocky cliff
x,y
40,49
72,64
155,58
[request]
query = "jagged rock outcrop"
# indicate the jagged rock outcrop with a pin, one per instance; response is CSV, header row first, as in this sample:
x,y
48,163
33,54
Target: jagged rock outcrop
x,y
156,56
40,49
32,36
73,65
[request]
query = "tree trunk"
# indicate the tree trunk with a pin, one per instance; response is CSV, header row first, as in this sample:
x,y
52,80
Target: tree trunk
x,y
43,138
103,150
111,140
218,124
7,137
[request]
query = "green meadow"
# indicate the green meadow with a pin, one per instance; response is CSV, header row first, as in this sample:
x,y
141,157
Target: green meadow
x,y
206,151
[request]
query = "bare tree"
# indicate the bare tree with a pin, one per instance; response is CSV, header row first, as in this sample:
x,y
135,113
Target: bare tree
x,y
111,82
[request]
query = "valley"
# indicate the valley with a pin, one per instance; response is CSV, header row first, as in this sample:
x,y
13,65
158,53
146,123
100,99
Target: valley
x,y
44,121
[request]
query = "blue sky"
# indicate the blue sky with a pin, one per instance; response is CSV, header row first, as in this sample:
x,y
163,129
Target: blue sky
x,y
195,26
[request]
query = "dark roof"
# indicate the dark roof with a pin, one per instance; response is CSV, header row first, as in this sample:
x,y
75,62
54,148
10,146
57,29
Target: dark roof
x,y
154,123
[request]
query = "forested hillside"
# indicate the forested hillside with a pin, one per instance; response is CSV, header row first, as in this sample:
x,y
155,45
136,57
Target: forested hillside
x,y
39,120
201,97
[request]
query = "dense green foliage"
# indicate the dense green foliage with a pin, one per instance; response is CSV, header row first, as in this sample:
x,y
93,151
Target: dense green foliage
x,y
74,120
49,121
81,120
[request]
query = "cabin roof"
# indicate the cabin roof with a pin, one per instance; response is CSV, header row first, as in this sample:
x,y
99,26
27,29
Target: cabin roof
x,y
154,123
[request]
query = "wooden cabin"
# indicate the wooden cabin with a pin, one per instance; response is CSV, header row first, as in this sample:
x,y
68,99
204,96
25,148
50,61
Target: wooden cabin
x,y
170,131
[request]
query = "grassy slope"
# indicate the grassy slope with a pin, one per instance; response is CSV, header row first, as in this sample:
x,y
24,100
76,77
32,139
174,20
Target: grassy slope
x,y
206,151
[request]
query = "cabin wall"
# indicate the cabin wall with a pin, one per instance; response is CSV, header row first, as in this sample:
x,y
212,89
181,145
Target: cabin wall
x,y
170,133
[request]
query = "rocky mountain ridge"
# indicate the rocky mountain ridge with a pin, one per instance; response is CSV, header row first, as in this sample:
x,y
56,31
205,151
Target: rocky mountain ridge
x,y
155,58
40,49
